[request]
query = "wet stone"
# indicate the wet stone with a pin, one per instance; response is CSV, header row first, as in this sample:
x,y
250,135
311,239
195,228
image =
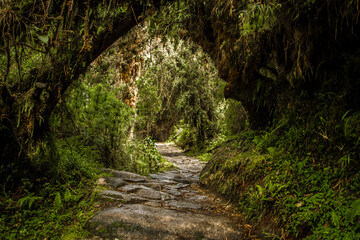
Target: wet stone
x,y
166,181
136,180
161,176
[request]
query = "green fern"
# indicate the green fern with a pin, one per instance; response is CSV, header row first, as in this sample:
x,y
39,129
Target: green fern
x,y
57,201
67,196
28,201
355,210
335,219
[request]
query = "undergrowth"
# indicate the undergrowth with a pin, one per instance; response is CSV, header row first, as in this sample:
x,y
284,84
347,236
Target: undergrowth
x,y
146,158
55,210
298,179
58,199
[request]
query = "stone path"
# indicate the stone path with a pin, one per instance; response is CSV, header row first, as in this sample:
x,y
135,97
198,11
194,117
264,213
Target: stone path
x,y
168,205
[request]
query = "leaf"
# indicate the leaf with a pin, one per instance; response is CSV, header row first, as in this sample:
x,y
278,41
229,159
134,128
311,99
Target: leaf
x,y
99,30
335,219
28,201
260,189
271,150
57,201
43,38
355,209
67,196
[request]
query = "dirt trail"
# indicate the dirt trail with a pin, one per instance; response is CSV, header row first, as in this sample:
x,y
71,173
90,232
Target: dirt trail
x,y
168,205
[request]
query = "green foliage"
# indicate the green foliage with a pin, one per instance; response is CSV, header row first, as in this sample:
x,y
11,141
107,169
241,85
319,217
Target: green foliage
x,y
28,201
146,159
302,172
59,210
57,202
76,158
235,117
99,122
183,136
94,128
180,88
258,17
205,157
37,60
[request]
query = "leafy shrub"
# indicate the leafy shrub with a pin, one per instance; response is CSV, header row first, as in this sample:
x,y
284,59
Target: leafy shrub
x,y
93,123
146,158
76,158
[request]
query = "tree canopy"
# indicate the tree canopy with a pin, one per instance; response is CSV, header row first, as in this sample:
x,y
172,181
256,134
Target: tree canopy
x,y
261,49
46,46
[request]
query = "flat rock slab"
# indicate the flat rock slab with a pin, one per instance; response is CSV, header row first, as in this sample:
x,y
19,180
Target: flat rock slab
x,y
174,178
133,188
114,182
183,205
166,181
198,198
174,192
126,176
185,181
136,221
162,176
146,192
157,204
153,185
153,194
122,196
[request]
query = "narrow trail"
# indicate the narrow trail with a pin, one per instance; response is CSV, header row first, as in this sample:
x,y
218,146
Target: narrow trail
x,y
167,205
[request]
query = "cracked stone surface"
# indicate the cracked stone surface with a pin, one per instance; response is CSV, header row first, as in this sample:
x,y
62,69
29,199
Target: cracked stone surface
x,y
168,205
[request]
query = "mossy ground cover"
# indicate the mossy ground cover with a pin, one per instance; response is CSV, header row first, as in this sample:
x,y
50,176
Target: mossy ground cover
x,y
299,179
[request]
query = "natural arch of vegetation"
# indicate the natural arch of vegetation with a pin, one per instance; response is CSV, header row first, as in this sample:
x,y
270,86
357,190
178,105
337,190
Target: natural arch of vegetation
x,y
293,65
267,53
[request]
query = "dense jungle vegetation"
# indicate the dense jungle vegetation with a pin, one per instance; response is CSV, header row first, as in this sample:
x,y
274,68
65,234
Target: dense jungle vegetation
x,y
266,91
